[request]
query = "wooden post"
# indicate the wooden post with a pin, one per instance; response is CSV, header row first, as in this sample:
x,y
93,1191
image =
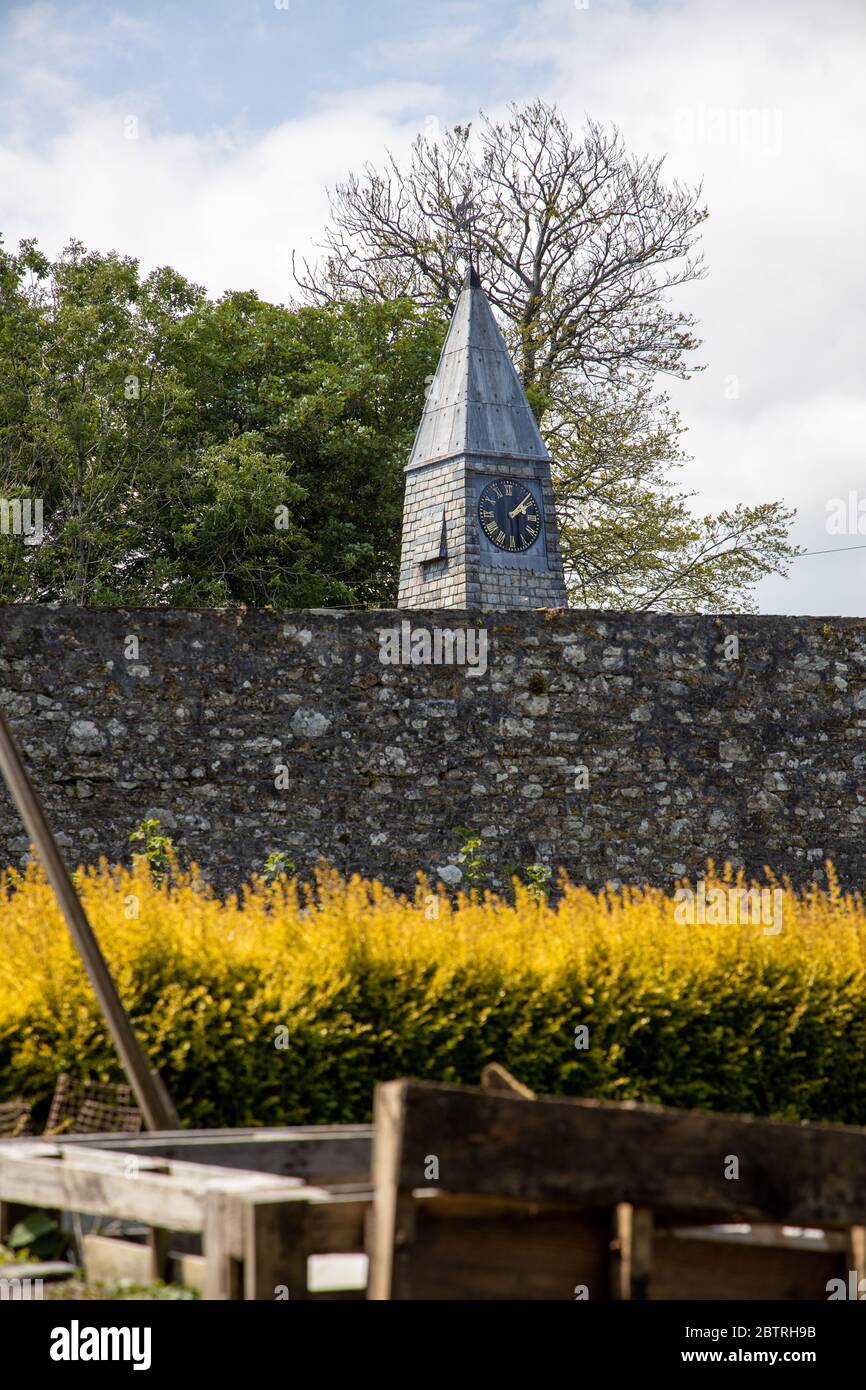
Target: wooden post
x,y
159,1248
856,1252
222,1245
275,1248
392,1225
632,1250
152,1098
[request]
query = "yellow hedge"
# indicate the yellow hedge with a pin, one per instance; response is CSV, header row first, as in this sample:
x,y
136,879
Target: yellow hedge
x,y
286,1005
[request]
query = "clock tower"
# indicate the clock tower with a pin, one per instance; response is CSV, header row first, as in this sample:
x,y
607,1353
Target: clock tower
x,y
479,527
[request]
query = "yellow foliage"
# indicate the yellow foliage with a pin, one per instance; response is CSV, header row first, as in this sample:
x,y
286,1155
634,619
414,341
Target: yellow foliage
x,y
370,984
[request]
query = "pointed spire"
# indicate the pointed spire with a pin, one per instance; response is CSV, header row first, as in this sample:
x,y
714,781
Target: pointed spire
x,y
476,404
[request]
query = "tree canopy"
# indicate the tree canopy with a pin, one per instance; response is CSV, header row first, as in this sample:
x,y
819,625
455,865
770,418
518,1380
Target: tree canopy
x,y
197,452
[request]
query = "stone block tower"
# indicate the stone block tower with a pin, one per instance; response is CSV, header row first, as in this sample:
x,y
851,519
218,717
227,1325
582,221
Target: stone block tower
x,y
479,527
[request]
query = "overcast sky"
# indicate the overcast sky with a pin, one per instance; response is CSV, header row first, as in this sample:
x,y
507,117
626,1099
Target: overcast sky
x,y
243,111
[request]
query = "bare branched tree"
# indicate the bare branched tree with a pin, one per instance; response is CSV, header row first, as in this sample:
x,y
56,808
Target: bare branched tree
x,y
577,244
580,246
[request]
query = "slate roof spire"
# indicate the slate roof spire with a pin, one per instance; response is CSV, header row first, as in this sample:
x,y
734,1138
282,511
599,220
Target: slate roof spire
x,y
476,404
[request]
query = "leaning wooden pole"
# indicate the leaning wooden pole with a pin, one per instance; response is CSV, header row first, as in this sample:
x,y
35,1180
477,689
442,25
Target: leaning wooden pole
x,y
152,1097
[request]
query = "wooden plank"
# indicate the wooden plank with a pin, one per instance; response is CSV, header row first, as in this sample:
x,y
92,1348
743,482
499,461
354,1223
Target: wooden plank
x,y
336,1295
38,1184
404,1255
619,1236
475,1248
641,1252
336,1224
495,1077
690,1270
255,1240
631,1251
132,1167
763,1234
189,1271
97,1183
222,1244
158,1249
855,1250
86,1160
318,1154
38,1269
275,1249
107,1259
602,1154
391,1225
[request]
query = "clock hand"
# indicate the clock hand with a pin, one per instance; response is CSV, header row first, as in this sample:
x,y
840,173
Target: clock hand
x,y
521,507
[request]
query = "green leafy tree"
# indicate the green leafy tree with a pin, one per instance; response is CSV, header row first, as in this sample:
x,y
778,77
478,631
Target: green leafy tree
x,y
94,419
630,538
338,393
194,453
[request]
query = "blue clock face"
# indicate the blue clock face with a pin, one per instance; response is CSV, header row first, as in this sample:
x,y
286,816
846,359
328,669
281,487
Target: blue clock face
x,y
508,515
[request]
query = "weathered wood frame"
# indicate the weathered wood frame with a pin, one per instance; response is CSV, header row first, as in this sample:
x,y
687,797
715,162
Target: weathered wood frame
x,y
646,1173
258,1230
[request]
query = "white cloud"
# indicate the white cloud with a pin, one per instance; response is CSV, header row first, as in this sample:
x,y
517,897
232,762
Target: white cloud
x,y
226,209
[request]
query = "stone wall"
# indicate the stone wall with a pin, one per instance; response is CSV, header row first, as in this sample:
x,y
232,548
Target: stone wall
x,y
739,738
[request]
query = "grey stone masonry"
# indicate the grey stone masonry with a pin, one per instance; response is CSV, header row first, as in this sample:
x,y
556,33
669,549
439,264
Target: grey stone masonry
x,y
624,747
477,427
